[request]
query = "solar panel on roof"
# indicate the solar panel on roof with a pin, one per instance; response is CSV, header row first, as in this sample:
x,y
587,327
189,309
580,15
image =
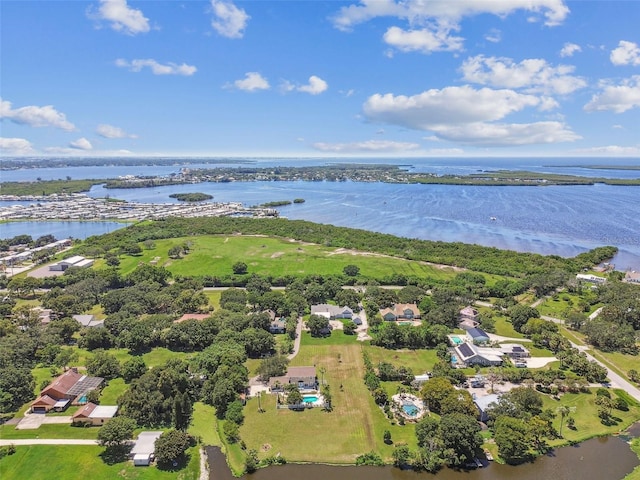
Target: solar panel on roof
x,y
465,350
518,349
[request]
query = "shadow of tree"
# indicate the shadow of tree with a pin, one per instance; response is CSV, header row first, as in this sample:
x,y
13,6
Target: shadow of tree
x,y
176,465
115,454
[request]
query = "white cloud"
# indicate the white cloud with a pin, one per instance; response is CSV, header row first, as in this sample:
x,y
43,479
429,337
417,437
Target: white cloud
x,y
109,131
15,146
229,20
627,53
449,105
431,22
554,11
379,146
533,74
315,86
422,40
494,36
34,116
504,134
81,144
122,17
466,115
569,49
609,150
252,82
157,68
617,98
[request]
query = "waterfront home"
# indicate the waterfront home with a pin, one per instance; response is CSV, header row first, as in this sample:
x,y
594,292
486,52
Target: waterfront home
x,y
485,403
70,388
590,278
332,312
477,335
469,354
304,377
632,277
400,311
92,414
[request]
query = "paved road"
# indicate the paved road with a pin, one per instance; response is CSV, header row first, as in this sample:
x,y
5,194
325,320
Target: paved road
x,y
48,441
616,380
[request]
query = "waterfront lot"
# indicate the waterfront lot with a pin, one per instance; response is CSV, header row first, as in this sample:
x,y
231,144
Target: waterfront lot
x,y
80,462
275,257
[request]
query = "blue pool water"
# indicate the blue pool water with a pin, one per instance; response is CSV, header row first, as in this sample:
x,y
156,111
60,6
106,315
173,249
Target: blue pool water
x,y
410,409
309,399
457,340
454,359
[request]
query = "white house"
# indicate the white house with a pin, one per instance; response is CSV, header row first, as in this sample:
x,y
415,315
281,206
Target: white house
x,y
75,261
590,278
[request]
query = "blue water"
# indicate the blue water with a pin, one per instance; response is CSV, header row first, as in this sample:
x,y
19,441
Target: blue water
x,y
555,220
310,399
410,409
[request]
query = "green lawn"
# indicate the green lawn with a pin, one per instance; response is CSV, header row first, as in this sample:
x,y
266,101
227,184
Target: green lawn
x,y
113,391
355,426
584,411
79,462
8,432
419,361
504,328
275,257
203,424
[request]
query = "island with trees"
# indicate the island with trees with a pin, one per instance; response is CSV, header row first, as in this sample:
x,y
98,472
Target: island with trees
x,y
191,197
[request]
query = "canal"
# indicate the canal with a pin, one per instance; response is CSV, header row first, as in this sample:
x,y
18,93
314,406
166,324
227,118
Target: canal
x,y
606,458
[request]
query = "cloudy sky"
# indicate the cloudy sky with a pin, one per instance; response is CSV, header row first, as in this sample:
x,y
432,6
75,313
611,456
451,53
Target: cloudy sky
x,y
312,78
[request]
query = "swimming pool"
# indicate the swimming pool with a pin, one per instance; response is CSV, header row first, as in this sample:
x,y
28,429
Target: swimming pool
x,y
310,399
454,359
410,409
457,340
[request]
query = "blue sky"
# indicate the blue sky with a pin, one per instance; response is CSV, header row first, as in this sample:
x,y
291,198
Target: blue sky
x,y
314,78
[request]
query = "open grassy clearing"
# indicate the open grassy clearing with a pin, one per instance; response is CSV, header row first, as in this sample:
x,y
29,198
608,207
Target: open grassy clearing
x,y
587,422
203,424
558,306
113,391
215,255
79,462
355,416
419,361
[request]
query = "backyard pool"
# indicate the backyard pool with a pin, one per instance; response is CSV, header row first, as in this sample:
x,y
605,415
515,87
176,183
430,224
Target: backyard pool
x,y
410,409
310,399
457,340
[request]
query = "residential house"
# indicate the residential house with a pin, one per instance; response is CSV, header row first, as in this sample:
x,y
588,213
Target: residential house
x,y
484,403
332,312
419,380
192,316
304,377
477,335
88,321
92,414
70,388
514,350
400,311
590,278
278,326
468,318
144,448
632,277
469,354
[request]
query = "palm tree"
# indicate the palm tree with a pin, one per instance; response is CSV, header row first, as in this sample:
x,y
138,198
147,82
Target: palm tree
x,y
564,411
322,371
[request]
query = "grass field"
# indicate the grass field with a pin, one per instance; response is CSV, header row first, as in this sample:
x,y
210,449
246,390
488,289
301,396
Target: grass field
x,y
8,432
203,424
211,255
587,422
355,416
80,462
